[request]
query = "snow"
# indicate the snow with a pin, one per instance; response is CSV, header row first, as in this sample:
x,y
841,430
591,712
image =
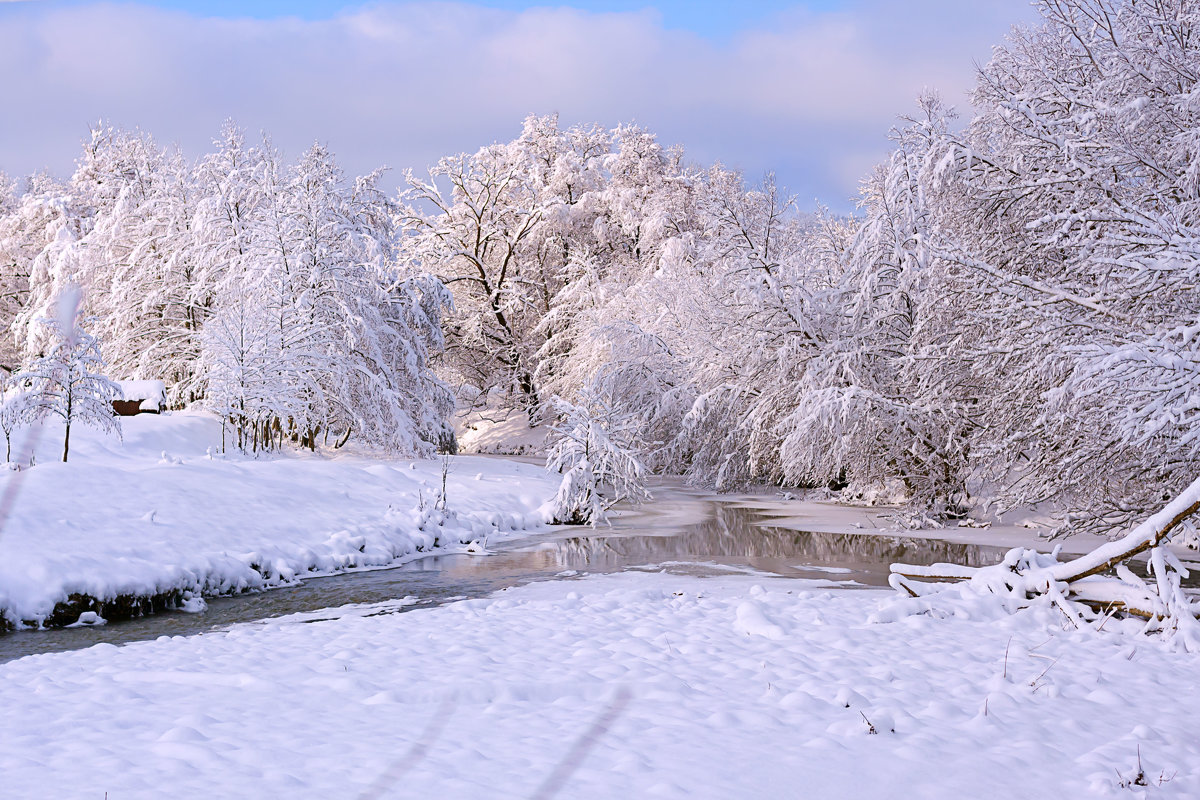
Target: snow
x,y
163,511
730,686
499,431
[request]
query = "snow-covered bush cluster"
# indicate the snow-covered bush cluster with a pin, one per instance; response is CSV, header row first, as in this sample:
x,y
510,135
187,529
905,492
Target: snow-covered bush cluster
x,y
1010,317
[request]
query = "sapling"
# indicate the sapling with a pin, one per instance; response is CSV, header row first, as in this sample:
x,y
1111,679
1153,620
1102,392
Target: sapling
x,y
14,413
68,381
441,501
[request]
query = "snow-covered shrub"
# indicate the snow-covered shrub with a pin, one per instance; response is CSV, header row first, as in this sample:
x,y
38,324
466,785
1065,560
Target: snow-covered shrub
x,y
594,446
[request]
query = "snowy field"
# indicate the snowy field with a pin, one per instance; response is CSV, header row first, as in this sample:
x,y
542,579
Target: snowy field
x,y
163,511
628,685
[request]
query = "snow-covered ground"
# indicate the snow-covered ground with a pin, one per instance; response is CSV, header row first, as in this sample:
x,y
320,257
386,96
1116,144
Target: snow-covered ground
x,y
163,511
628,685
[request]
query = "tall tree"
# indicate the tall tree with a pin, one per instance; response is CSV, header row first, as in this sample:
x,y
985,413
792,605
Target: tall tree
x,y
477,242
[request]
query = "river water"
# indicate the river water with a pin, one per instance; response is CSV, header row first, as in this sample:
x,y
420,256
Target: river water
x,y
680,531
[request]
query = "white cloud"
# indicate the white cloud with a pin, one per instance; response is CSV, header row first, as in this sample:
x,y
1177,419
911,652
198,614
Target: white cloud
x,y
812,96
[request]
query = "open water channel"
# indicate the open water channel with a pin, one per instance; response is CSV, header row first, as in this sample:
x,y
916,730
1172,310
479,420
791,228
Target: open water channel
x,y
681,531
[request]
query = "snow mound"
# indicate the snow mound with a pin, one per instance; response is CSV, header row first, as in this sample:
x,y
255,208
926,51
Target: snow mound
x,y
499,432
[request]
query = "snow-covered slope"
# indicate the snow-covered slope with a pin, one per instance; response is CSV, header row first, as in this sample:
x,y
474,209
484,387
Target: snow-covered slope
x,y
163,513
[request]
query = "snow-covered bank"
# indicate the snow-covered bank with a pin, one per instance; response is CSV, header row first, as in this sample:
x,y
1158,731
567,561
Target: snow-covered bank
x,y
163,514
714,687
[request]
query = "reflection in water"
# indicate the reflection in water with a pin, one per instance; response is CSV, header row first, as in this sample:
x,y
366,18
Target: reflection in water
x,y
677,527
730,536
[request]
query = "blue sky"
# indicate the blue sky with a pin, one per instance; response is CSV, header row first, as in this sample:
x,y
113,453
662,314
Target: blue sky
x,y
807,90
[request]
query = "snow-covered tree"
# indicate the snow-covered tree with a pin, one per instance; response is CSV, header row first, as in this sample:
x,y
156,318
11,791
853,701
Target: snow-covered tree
x,y
236,354
15,411
1067,211
39,242
14,271
747,332
144,292
68,382
514,225
315,328
890,397
477,243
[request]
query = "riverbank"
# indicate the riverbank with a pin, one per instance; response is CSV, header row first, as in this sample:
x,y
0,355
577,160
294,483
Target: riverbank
x,y
162,518
625,685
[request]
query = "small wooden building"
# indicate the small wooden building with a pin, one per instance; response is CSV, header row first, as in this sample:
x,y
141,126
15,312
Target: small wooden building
x,y
140,397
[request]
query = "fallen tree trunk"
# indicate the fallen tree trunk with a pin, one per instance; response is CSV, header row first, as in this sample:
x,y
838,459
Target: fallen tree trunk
x,y
1026,574
1151,533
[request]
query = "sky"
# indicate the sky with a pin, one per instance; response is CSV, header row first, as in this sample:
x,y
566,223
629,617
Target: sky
x,y
807,90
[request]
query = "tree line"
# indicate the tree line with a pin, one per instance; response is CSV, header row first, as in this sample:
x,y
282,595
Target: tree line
x,y
271,292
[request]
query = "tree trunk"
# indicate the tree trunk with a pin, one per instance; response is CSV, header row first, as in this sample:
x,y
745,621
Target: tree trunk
x,y
529,389
70,410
